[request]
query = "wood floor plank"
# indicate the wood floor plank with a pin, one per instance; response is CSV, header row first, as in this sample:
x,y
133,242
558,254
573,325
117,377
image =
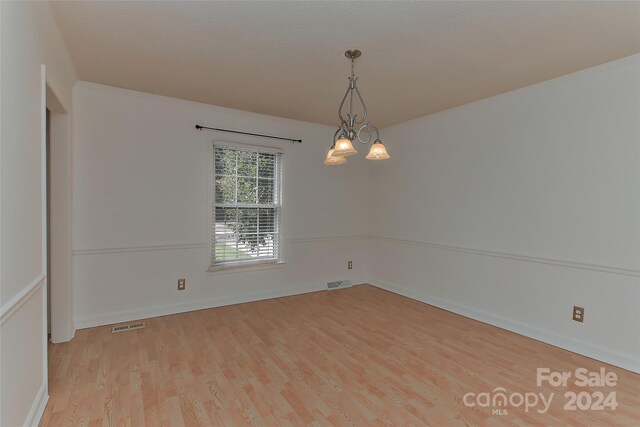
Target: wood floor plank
x,y
354,357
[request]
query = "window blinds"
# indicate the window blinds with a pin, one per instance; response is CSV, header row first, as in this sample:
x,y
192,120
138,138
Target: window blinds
x,y
246,209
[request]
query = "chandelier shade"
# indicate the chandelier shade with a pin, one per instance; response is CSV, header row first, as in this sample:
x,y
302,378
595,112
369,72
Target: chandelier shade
x,y
334,160
353,124
344,148
378,152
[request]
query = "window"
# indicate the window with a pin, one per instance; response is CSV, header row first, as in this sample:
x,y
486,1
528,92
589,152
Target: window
x,y
246,208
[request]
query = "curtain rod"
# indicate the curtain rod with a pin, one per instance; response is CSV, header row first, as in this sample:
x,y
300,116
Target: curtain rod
x,y
200,127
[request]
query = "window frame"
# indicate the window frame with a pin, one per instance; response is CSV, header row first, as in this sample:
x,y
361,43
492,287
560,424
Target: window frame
x,y
248,264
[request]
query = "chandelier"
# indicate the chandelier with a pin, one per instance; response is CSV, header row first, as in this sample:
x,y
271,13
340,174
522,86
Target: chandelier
x,y
351,127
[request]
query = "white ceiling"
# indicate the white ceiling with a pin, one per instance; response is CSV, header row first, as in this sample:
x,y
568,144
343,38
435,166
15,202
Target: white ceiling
x,y
286,58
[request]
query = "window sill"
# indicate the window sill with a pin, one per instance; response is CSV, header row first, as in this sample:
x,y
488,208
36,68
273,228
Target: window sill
x,y
244,268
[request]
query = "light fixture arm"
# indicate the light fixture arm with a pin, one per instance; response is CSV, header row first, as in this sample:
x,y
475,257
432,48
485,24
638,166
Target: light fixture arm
x,y
344,98
368,128
351,118
336,136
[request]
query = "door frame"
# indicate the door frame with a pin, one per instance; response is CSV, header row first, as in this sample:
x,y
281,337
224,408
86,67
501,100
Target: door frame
x,y
57,205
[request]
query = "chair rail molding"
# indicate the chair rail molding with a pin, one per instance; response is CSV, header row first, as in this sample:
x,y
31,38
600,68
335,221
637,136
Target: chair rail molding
x,y
514,256
180,246
18,300
144,248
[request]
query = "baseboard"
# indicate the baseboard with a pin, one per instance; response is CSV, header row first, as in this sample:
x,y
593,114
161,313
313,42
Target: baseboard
x,y
37,409
602,354
164,310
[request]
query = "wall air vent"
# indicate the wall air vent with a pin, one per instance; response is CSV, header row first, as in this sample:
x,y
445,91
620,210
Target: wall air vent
x,y
130,326
339,284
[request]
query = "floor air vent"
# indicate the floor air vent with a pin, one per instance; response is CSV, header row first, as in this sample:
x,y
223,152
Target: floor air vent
x,y
339,284
130,326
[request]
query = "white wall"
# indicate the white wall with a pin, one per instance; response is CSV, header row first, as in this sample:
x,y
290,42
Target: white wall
x,y
141,207
515,208
29,38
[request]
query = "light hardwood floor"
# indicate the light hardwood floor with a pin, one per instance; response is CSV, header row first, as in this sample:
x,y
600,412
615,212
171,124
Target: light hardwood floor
x,y
359,356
